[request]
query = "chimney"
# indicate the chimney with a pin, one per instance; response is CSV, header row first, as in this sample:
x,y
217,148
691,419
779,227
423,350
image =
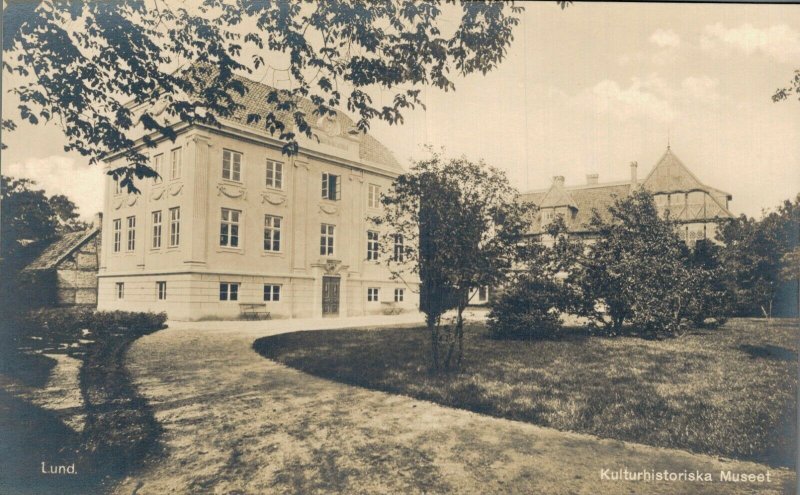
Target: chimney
x,y
558,179
592,179
97,221
634,173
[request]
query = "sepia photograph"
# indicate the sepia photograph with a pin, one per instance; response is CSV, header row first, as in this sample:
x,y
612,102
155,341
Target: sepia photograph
x,y
399,247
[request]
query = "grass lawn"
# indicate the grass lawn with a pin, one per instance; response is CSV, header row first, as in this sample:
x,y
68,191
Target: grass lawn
x,y
730,391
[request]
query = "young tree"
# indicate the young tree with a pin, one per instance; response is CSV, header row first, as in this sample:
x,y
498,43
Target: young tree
x,y
460,223
104,70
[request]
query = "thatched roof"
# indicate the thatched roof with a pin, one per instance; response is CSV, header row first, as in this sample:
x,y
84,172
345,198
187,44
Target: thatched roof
x,y
61,248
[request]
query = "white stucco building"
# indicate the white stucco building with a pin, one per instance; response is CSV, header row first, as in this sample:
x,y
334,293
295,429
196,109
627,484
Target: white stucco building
x,y
232,221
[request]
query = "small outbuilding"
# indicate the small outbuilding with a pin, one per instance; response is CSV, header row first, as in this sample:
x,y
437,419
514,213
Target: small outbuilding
x,y
65,273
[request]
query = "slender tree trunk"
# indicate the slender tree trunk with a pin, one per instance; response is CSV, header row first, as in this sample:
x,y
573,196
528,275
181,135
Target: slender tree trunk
x,y
433,328
460,335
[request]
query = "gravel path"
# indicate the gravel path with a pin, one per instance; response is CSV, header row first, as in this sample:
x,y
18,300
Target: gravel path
x,y
238,423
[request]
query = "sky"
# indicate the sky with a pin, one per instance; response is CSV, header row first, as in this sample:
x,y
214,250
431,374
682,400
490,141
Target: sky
x,y
583,90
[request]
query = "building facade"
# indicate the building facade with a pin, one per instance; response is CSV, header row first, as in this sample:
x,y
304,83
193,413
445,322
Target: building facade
x,y
679,195
232,222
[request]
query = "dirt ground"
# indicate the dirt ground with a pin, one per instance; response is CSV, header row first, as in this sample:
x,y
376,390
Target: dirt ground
x,y
238,423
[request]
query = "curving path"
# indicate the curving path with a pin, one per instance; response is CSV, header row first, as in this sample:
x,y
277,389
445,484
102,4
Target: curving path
x,y
237,423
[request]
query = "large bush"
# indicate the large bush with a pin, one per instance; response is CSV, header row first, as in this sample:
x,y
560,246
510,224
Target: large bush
x,y
639,273
529,308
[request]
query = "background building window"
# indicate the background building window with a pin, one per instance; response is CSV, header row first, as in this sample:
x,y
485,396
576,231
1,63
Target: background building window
x,y
131,233
272,233
228,291
175,164
174,226
161,290
156,229
120,290
229,228
399,295
272,293
374,196
158,166
372,245
117,185
117,234
274,174
231,165
372,294
326,240
331,187
399,253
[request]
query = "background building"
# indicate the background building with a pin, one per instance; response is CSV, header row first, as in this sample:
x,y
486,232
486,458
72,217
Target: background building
x,y
678,194
232,221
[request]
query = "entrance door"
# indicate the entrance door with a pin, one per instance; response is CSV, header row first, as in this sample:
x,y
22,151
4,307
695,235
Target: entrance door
x,y
330,296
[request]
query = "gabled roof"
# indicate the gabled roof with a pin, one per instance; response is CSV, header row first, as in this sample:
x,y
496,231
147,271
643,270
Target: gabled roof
x,y
557,196
62,247
255,101
670,174
586,199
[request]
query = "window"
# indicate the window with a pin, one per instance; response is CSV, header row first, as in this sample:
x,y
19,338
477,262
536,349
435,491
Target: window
x,y
326,239
372,245
272,233
483,294
175,164
372,294
158,166
399,295
117,234
272,293
331,187
229,228
156,229
398,248
120,290
274,174
117,185
374,196
231,165
547,216
228,291
174,226
161,291
131,233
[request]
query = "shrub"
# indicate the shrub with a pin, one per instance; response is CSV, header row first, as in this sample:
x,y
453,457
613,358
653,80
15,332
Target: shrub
x,y
63,328
529,308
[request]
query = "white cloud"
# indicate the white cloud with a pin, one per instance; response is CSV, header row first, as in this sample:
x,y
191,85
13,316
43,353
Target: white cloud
x,y
701,88
779,42
665,38
643,98
81,183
